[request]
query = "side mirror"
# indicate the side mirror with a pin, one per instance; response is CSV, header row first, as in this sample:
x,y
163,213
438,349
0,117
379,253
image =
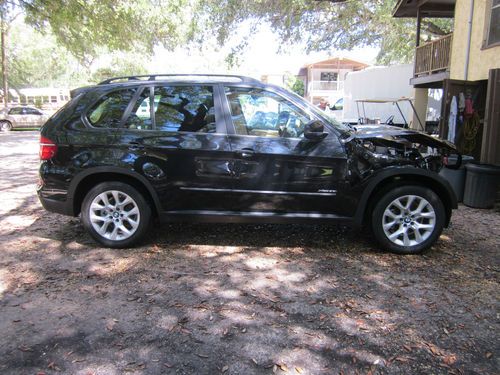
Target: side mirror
x,y
453,161
314,131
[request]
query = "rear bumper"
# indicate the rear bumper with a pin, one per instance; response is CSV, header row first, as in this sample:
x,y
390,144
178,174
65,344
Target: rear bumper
x,y
55,201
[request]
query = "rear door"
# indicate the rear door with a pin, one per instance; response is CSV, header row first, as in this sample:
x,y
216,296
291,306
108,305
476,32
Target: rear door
x,y
175,136
275,168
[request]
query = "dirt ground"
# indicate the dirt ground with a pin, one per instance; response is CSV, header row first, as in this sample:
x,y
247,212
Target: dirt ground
x,y
238,299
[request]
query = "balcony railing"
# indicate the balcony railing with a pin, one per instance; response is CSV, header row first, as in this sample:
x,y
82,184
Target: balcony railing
x,y
326,85
433,57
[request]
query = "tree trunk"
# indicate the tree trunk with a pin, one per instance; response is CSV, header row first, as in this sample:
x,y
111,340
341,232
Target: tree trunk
x,y
4,63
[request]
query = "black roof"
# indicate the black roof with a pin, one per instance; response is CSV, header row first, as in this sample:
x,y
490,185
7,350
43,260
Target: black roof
x,y
147,79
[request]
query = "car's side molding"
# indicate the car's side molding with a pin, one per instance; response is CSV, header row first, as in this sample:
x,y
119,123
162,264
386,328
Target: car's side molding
x,y
392,175
103,170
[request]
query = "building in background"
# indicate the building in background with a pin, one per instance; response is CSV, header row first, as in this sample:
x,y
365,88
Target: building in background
x,y
325,79
48,98
466,65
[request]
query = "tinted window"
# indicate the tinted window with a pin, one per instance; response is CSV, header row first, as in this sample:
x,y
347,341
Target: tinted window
x,y
266,114
31,111
15,111
140,116
108,111
183,108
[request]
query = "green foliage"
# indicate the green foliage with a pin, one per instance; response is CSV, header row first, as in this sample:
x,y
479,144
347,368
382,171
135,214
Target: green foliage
x,y
326,25
38,102
83,27
130,29
295,84
38,61
122,64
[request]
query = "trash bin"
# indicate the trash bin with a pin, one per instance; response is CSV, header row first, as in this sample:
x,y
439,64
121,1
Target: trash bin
x,y
481,185
456,177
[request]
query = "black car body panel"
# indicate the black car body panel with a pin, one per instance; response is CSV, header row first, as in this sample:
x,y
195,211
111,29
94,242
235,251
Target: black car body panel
x,y
225,176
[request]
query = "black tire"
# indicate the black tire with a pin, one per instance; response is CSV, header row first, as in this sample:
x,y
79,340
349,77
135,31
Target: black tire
x,y
143,217
5,126
427,236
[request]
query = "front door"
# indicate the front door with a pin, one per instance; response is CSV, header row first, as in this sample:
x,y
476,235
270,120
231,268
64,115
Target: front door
x,y
33,118
18,117
275,168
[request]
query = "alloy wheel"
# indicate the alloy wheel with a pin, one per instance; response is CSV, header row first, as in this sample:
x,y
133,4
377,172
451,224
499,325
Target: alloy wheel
x,y
114,215
409,220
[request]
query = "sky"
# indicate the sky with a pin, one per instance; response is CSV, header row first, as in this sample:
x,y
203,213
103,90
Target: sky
x,y
260,57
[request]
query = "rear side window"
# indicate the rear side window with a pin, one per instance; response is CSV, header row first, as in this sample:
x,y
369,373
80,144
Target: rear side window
x,y
184,108
108,111
15,111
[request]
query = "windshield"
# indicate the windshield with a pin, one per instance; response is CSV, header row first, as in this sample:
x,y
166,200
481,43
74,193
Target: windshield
x,y
343,129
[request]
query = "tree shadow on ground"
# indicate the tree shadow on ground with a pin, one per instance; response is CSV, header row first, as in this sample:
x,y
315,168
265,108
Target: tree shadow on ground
x,y
198,298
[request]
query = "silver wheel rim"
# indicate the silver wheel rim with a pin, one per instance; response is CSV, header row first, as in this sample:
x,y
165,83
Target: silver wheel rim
x,y
409,220
5,126
114,215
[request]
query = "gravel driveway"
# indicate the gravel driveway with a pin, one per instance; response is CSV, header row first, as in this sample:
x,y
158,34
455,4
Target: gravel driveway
x,y
238,299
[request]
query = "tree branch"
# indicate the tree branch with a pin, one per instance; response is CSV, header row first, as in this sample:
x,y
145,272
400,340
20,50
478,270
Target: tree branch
x,y
432,28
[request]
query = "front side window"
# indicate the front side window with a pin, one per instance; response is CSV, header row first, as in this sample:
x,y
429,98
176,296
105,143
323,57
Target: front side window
x,y
493,31
263,113
108,111
183,109
32,111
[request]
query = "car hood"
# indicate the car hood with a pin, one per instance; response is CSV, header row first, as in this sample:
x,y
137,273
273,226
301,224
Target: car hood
x,y
392,134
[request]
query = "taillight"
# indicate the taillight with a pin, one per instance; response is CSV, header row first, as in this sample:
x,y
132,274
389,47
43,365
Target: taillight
x,y
48,149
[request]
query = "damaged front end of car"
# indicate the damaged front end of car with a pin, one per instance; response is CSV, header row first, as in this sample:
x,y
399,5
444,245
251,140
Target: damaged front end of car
x,y
374,148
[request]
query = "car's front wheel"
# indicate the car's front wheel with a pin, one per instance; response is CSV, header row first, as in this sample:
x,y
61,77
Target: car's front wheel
x,y
115,214
408,219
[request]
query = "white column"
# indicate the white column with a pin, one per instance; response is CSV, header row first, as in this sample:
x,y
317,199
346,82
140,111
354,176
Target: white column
x,y
421,99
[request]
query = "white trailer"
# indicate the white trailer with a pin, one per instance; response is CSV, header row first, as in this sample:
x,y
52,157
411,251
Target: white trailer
x,y
378,89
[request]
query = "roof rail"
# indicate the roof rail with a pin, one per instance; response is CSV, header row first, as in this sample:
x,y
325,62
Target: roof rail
x,y
153,77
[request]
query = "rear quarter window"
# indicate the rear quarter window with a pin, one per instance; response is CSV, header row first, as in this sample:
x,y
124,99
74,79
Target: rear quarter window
x,y
109,110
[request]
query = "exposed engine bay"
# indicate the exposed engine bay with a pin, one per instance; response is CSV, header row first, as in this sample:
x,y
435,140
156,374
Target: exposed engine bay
x,y
372,148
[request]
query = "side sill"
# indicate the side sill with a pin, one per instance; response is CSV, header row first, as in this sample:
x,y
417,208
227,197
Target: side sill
x,y
205,216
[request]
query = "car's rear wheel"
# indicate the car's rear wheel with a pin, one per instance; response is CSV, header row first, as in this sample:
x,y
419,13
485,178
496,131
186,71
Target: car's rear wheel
x,y
5,126
408,219
115,214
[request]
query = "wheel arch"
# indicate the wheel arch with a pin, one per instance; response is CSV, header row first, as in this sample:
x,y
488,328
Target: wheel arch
x,y
390,179
86,180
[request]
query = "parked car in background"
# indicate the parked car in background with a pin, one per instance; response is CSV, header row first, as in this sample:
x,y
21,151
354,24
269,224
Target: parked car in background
x,y
21,117
233,149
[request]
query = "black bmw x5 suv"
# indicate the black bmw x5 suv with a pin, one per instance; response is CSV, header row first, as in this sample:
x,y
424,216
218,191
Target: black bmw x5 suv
x,y
233,149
